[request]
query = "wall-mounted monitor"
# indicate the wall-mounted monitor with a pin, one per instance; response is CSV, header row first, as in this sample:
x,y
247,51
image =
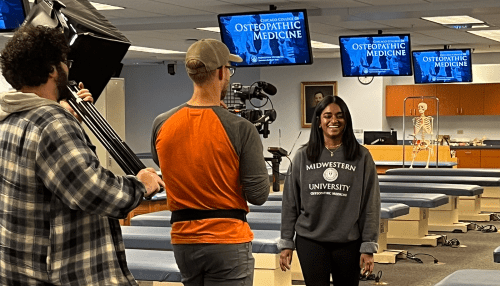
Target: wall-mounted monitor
x,y
375,55
12,14
270,38
442,66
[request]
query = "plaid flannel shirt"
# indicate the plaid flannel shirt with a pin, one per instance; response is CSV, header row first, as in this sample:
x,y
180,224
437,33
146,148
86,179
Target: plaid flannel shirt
x,y
58,206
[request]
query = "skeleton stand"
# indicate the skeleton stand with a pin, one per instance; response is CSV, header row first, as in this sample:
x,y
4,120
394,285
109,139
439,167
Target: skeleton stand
x,y
424,125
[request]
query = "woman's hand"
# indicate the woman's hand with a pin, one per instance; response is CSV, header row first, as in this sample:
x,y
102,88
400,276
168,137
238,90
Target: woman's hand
x,y
366,263
286,259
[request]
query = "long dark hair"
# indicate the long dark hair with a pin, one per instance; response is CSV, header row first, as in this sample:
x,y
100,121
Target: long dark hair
x,y
317,141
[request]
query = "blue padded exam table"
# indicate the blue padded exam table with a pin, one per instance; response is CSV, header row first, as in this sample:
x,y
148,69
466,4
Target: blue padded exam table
x,y
156,237
152,244
257,220
489,201
267,207
446,217
470,206
472,277
462,172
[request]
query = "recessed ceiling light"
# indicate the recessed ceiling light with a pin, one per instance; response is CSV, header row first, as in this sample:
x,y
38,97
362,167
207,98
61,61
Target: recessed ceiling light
x,y
152,50
489,34
210,29
98,6
320,45
448,20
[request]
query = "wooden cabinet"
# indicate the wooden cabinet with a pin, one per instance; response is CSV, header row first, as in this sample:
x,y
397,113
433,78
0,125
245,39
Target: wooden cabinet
x,y
478,158
492,99
454,99
469,158
460,99
394,99
490,158
396,94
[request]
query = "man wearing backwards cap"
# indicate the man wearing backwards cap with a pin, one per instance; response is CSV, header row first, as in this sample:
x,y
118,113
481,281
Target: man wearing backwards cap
x,y
212,164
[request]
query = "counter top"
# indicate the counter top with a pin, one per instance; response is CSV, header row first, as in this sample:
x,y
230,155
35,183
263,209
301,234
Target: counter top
x,y
476,147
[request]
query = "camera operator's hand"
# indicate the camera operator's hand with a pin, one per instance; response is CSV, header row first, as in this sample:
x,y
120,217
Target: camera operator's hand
x,y
151,181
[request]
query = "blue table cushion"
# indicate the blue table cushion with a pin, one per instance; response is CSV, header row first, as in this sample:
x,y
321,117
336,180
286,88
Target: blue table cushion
x,y
158,238
151,265
472,277
267,207
464,172
256,220
480,181
391,210
496,255
273,197
415,200
447,189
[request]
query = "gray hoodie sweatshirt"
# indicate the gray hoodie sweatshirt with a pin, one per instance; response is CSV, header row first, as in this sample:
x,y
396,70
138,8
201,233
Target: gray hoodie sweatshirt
x,y
16,101
334,200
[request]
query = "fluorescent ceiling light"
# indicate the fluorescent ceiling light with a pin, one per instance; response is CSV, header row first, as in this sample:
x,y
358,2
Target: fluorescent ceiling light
x,y
320,45
210,29
449,20
98,6
151,50
480,26
489,34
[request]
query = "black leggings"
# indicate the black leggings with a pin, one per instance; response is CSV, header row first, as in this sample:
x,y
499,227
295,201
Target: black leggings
x,y
319,259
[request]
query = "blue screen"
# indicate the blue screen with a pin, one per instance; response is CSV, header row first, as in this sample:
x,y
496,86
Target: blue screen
x,y
438,66
267,38
375,55
12,14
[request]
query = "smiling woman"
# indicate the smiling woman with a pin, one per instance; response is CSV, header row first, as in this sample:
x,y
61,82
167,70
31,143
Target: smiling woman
x,y
333,181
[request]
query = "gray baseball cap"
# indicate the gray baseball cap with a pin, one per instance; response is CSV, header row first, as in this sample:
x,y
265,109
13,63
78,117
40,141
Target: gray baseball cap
x,y
212,53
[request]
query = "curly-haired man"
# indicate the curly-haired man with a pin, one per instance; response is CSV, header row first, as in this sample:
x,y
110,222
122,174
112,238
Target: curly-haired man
x,y
58,206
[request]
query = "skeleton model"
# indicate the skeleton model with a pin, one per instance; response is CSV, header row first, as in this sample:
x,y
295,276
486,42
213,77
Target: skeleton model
x,y
422,124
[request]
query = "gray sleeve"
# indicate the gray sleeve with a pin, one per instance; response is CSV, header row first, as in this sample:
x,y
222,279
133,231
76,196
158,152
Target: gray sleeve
x,y
290,205
369,219
157,124
254,177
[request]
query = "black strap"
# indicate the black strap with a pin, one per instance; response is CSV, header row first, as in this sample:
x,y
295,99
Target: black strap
x,y
192,214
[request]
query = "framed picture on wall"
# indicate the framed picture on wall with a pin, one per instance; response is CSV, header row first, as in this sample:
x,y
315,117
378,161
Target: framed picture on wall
x,y
311,94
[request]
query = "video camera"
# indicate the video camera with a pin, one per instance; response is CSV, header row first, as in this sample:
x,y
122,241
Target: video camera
x,y
236,103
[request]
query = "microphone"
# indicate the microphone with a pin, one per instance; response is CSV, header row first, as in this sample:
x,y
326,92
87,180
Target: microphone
x,y
267,87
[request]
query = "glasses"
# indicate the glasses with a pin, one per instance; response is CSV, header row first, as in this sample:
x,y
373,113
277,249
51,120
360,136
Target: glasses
x,y
231,69
69,63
